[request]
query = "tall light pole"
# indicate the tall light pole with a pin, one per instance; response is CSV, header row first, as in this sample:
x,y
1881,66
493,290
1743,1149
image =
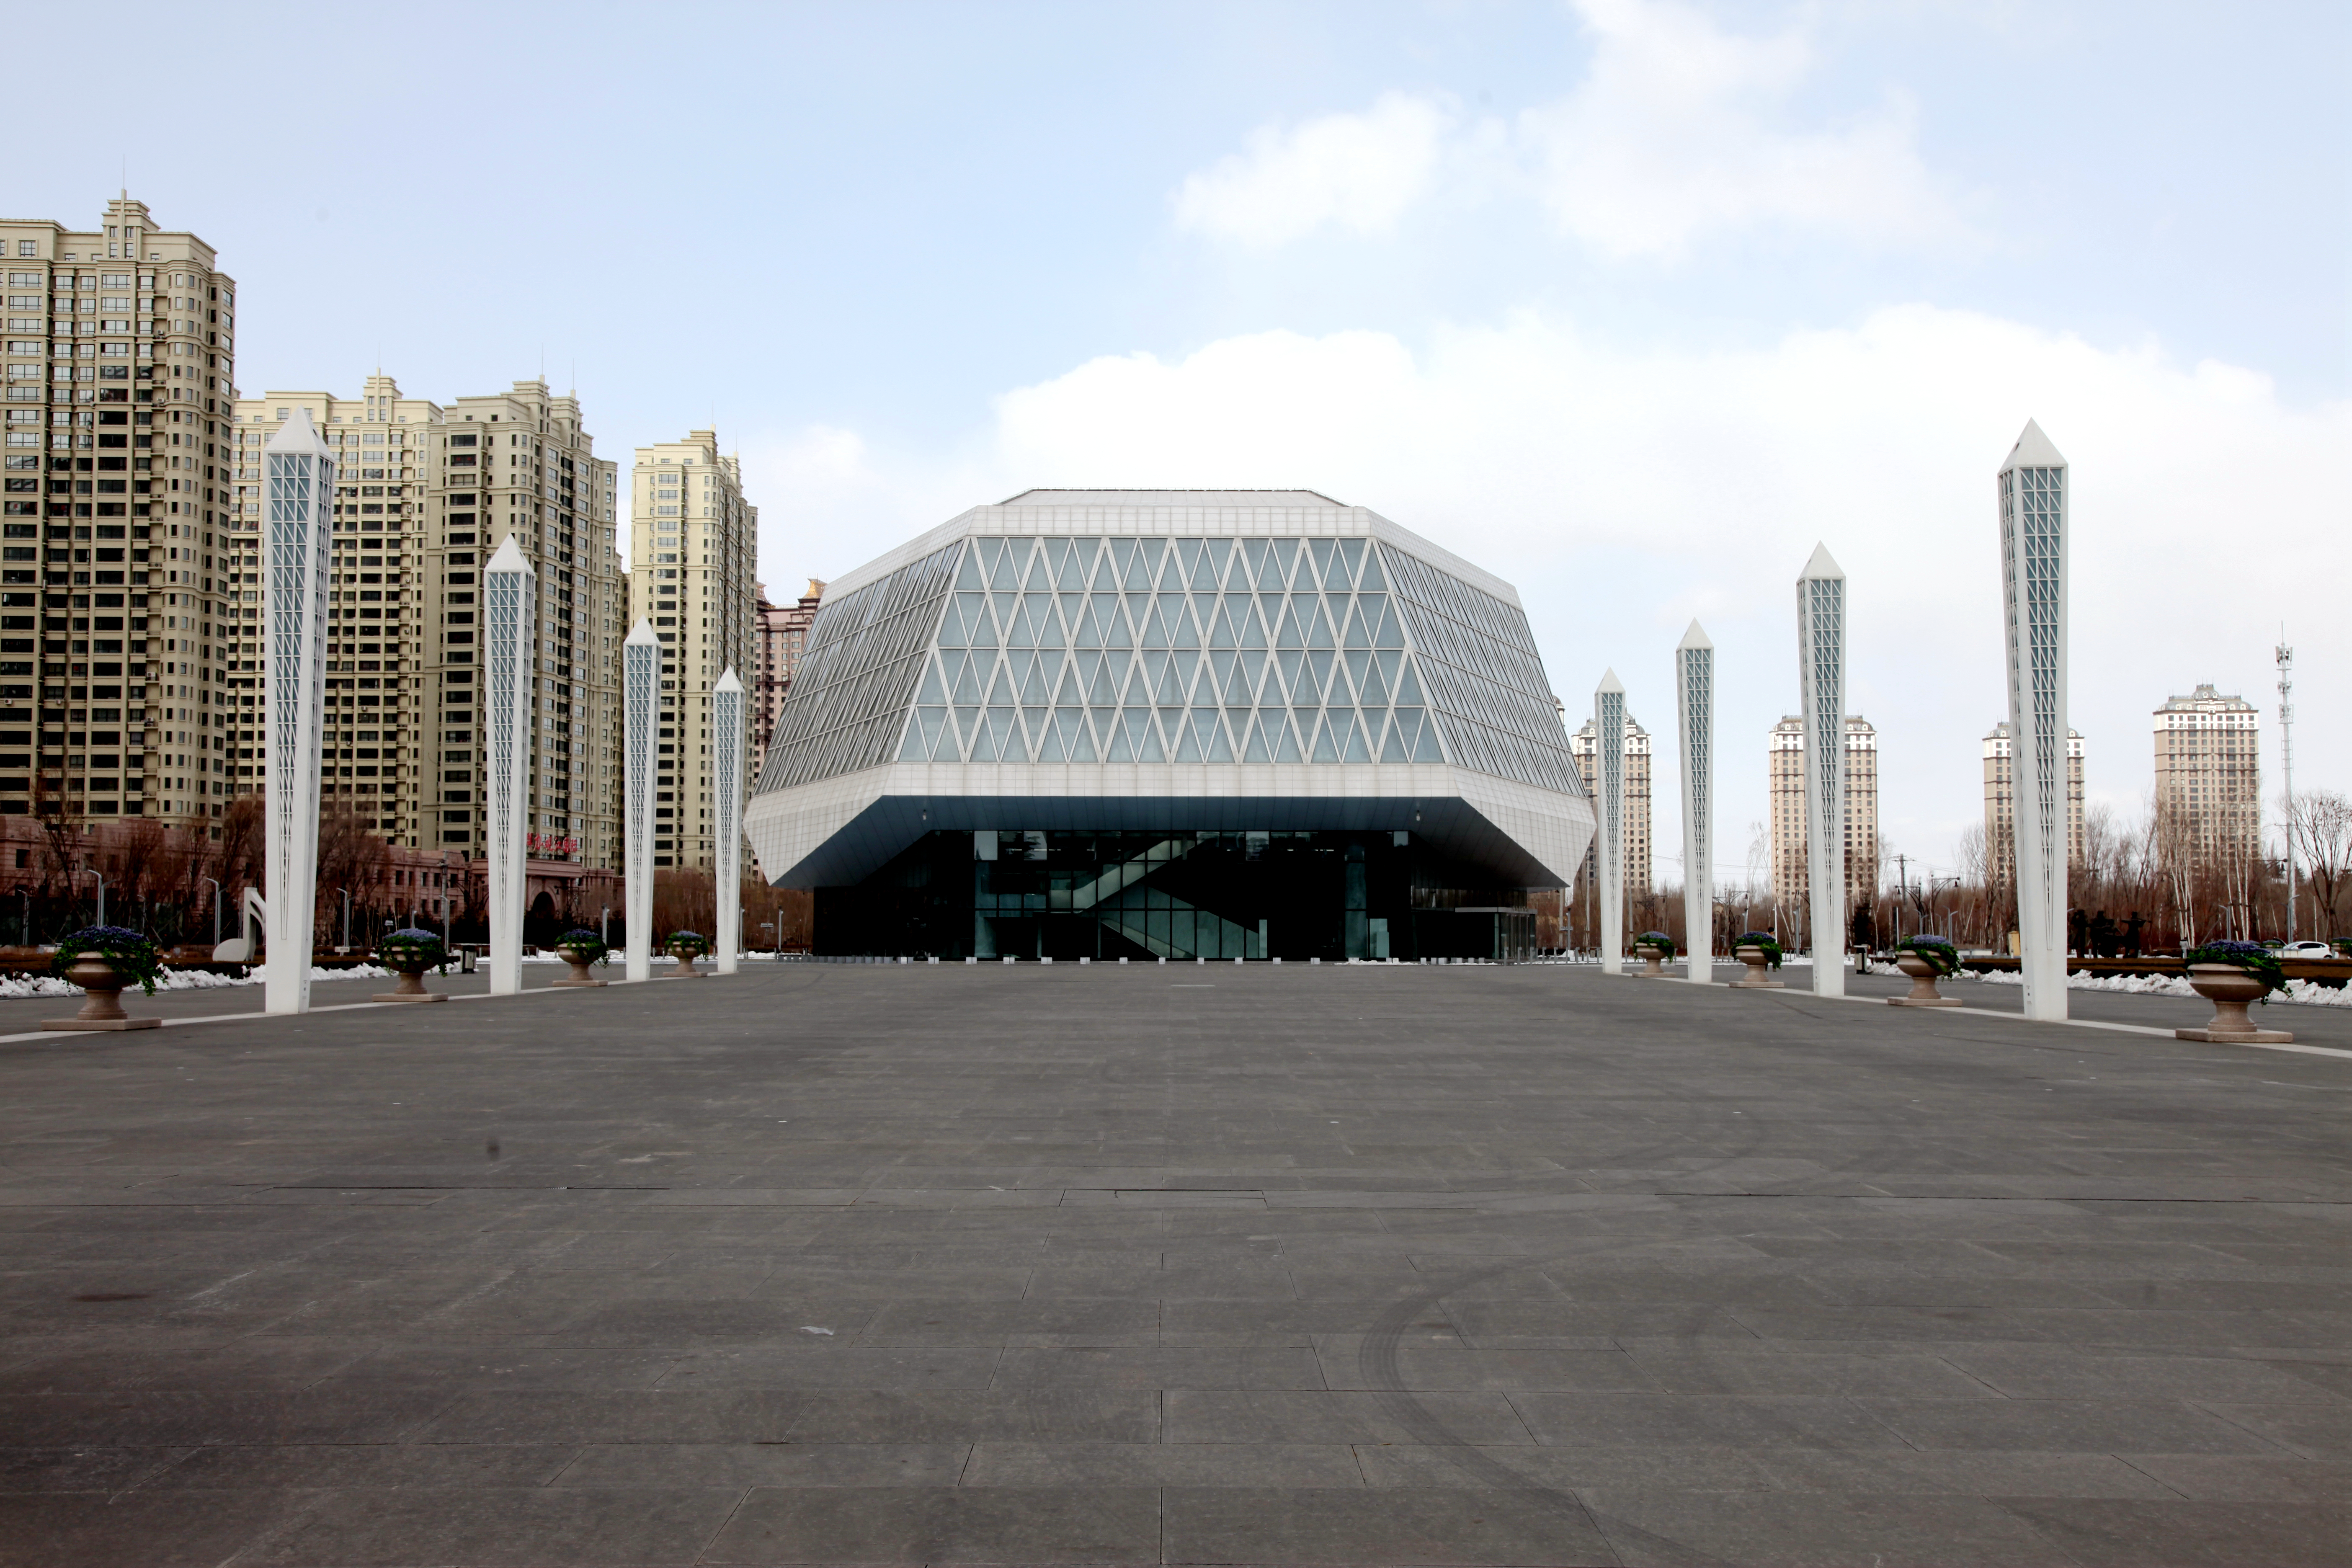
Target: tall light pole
x,y
101,894
299,474
2031,489
1695,724
216,892
1820,675
510,598
1609,777
2286,765
727,760
640,696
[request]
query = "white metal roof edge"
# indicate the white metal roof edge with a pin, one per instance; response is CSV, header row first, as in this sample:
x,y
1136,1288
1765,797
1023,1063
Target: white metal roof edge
x,y
1175,522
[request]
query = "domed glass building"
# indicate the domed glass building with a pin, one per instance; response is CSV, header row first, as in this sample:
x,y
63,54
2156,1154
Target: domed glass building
x,y
1170,724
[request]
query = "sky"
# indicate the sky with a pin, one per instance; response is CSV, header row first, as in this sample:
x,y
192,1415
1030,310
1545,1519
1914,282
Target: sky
x,y
1633,304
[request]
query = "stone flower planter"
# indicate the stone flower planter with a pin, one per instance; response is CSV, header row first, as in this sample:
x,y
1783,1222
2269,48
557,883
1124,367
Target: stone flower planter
x,y
1654,960
2229,989
686,969
578,963
101,987
410,968
1760,971
1922,984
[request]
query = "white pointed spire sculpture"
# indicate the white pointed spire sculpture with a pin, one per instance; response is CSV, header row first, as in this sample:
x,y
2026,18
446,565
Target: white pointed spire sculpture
x,y
2032,487
510,637
1695,724
1609,790
640,705
1820,675
298,482
727,760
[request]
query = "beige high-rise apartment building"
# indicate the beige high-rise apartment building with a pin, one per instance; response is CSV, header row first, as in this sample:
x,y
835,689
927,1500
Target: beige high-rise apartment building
x,y
2209,776
424,495
693,548
1785,763
1639,869
121,615
2000,804
781,635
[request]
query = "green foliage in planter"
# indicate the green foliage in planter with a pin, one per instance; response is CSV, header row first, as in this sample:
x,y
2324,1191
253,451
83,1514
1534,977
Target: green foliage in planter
x,y
1936,953
1657,939
2251,956
130,953
584,947
409,941
688,941
1763,939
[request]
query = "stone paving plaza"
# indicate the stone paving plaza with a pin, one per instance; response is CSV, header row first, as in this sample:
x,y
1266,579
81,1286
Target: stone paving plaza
x,y
839,1264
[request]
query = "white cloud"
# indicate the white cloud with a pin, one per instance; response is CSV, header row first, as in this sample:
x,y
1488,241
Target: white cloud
x,y
1624,492
1357,171
1678,134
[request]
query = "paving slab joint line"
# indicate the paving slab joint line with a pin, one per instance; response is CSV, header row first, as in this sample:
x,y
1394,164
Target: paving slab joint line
x,y
2000,1017
360,1006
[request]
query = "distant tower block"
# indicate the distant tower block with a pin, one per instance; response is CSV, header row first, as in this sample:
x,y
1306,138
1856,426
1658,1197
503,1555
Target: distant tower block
x,y
299,485
2033,598
1609,761
509,626
1821,676
1695,724
727,759
640,705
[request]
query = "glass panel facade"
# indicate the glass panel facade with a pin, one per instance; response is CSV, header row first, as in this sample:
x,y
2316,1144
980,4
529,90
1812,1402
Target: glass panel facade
x,y
1027,893
1148,650
1485,682
849,700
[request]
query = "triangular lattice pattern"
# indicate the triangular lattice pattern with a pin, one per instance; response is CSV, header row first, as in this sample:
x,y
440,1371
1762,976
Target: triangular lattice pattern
x,y
1170,650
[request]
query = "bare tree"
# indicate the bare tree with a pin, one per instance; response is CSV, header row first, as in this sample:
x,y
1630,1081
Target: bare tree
x,y
2323,832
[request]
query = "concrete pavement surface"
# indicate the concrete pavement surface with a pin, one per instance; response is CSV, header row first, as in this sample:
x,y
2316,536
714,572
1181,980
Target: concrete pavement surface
x,y
1194,1263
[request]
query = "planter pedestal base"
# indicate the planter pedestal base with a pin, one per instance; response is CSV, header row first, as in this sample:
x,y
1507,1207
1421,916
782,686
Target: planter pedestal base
x,y
1923,985
2232,991
409,996
2211,1036
106,1024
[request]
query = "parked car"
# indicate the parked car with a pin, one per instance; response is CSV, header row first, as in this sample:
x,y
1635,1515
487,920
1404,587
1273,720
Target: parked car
x,y
2302,950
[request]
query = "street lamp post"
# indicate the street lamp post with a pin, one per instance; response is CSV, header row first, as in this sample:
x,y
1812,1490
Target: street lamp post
x,y
347,917
216,892
101,893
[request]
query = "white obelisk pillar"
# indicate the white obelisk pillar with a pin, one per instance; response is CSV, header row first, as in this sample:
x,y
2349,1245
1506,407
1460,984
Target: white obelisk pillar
x,y
640,708
1821,673
1695,721
510,636
2034,593
727,761
1609,779
300,484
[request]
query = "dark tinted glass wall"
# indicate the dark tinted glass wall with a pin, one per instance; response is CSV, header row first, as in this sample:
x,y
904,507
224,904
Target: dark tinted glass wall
x,y
1017,893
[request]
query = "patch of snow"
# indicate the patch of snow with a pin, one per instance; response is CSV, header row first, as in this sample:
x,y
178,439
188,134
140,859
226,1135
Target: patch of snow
x,y
2303,992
